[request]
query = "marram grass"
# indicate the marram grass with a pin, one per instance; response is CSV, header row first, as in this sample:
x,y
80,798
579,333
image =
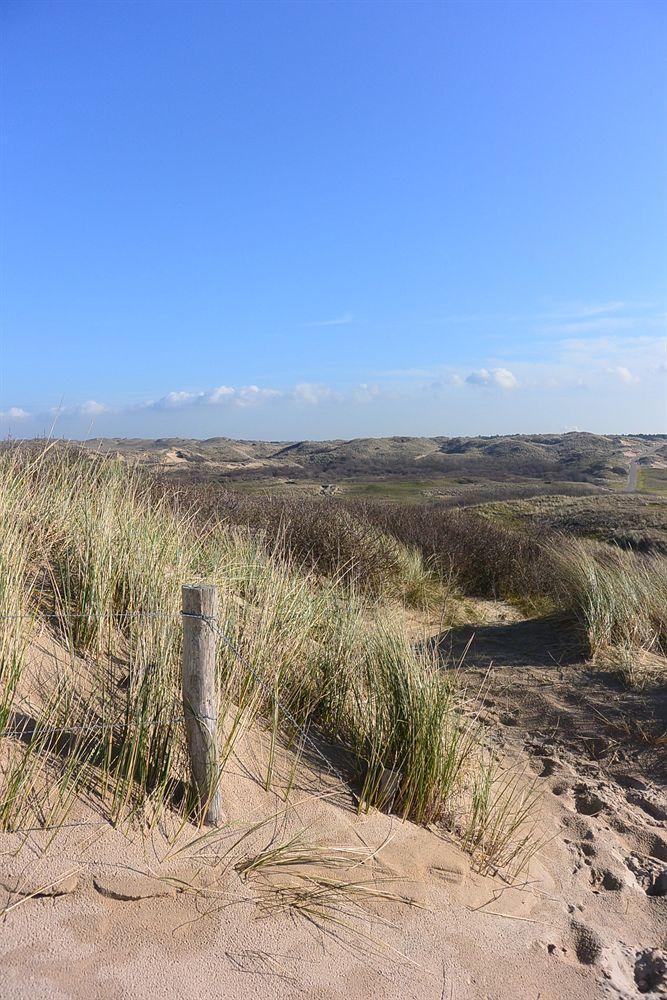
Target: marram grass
x,y
93,555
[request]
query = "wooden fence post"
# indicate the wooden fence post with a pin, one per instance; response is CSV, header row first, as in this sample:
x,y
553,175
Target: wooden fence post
x,y
200,700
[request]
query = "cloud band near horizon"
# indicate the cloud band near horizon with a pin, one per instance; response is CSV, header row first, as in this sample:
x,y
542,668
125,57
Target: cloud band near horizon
x,y
605,366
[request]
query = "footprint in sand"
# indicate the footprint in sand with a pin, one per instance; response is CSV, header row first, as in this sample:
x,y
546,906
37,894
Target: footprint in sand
x,y
650,873
587,802
548,766
587,943
605,878
649,802
651,972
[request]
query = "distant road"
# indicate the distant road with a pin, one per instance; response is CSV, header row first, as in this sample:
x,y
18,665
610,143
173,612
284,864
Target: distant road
x,y
633,471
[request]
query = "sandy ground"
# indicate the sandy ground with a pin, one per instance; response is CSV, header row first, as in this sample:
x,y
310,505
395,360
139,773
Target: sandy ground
x,y
92,911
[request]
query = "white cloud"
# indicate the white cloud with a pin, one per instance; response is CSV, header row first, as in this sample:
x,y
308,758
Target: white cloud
x,y
505,378
221,395
640,355
364,393
248,395
625,374
501,377
480,377
175,400
594,366
14,413
313,393
91,408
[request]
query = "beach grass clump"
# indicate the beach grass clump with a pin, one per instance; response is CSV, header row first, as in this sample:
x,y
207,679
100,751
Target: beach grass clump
x,y
411,734
619,598
17,581
501,831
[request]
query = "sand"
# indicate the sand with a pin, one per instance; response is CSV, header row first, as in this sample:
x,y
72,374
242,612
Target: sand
x,y
153,911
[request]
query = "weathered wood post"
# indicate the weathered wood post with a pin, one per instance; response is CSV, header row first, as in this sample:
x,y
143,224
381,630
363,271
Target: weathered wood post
x,y
200,700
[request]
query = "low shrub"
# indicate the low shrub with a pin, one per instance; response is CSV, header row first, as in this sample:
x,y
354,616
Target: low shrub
x,y
486,559
331,538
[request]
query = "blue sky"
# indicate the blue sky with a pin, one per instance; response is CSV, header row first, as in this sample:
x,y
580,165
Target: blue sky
x,y
288,220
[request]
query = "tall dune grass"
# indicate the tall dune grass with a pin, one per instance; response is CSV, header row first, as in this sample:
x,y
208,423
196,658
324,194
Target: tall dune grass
x,y
95,558
618,596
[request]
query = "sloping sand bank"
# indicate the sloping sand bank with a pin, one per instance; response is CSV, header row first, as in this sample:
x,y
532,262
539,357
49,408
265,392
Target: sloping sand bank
x,y
355,905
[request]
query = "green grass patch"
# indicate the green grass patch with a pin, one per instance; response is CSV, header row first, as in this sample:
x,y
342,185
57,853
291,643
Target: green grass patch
x,y
652,481
405,490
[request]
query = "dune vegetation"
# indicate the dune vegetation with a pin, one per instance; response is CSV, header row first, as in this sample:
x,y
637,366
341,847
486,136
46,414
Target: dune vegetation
x,y
94,560
313,641
430,555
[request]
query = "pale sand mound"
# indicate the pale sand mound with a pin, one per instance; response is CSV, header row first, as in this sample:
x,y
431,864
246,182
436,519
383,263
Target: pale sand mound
x,y
96,912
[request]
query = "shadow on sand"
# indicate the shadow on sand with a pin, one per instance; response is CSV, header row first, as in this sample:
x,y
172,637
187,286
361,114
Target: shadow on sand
x,y
536,642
